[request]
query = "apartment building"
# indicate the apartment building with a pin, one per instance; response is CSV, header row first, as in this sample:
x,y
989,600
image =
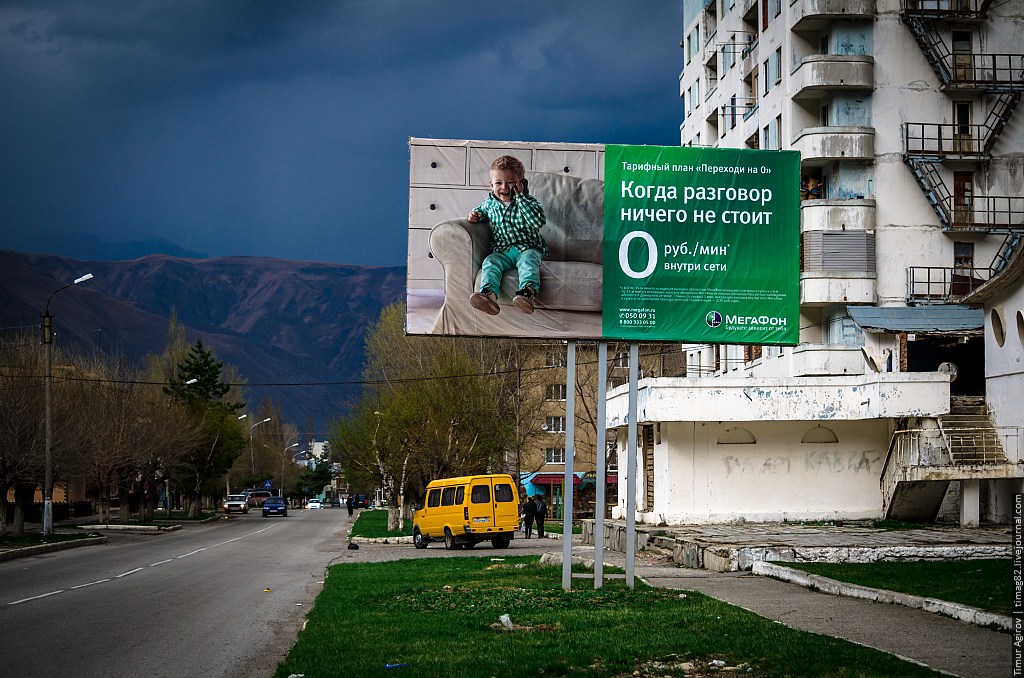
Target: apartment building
x,y
905,396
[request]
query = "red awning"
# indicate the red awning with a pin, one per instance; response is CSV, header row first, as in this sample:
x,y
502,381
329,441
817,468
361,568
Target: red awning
x,y
553,479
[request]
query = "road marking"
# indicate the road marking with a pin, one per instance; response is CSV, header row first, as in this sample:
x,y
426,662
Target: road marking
x,y
82,586
139,569
44,595
193,552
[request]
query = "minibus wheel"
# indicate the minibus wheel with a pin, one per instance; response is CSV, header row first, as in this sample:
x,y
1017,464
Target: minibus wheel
x,y
417,538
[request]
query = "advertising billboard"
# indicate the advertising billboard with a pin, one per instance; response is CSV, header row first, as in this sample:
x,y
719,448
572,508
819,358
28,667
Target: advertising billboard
x,y
635,243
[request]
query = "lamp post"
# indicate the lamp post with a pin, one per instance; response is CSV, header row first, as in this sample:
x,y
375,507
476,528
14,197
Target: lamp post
x,y
48,461
284,457
252,454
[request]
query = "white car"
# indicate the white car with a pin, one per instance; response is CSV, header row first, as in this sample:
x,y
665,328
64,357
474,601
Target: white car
x,y
314,504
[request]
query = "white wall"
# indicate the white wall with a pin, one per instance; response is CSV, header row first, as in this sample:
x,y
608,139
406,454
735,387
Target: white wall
x,y
777,478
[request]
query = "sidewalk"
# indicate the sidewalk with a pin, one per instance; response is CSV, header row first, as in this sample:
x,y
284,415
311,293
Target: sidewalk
x,y
937,641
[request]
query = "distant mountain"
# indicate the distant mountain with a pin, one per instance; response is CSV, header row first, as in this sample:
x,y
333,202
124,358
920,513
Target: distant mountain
x,y
294,329
86,246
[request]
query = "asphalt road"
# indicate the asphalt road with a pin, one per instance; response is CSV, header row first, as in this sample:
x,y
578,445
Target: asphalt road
x,y
223,599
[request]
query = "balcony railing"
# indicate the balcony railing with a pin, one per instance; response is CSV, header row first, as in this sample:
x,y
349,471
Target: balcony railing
x,y
943,9
941,285
991,72
944,140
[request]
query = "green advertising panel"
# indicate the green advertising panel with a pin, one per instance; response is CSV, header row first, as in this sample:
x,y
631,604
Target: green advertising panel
x,y
701,245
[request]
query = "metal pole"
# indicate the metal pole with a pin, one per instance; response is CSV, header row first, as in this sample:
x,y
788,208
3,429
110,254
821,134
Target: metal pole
x,y
631,481
48,472
599,498
570,453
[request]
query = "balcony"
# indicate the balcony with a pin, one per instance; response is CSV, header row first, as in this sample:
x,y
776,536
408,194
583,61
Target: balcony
x,y
850,397
837,215
820,74
820,145
812,15
821,288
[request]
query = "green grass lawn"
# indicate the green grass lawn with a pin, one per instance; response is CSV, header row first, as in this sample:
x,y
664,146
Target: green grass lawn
x,y
440,617
374,524
985,584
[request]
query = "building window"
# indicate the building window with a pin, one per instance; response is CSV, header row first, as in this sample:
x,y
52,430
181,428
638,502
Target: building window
x,y
555,392
778,65
554,359
555,425
554,455
766,68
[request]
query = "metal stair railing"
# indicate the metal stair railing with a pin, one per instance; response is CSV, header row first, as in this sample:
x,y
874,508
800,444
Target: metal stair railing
x,y
998,117
928,178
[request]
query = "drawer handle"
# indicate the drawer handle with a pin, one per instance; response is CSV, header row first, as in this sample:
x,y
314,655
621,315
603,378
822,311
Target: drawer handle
x,y
433,206
433,165
565,169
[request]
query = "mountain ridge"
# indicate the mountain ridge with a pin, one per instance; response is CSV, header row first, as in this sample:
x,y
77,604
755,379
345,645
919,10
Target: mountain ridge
x,y
294,329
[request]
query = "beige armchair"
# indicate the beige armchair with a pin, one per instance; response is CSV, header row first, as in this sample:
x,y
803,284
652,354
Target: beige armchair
x,y
569,302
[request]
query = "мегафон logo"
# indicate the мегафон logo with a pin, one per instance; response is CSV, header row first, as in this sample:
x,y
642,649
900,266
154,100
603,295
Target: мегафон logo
x,y
713,319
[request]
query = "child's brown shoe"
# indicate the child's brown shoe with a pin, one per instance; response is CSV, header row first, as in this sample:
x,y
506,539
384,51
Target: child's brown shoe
x,y
486,302
524,300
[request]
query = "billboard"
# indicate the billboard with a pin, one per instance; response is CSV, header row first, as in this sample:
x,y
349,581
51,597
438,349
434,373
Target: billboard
x,y
638,243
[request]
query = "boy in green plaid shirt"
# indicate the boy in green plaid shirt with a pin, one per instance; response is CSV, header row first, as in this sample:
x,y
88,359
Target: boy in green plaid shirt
x,y
515,217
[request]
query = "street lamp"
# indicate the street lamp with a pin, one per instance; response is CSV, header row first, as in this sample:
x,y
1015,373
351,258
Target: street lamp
x,y
284,456
48,350
252,455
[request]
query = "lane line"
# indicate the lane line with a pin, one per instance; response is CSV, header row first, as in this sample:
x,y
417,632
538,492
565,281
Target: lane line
x,y
139,569
193,552
44,595
82,586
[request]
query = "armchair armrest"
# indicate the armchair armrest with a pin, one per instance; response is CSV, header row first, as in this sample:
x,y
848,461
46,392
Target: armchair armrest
x,y
460,246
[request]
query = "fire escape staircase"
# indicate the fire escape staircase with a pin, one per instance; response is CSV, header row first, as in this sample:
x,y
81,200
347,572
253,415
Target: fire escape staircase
x,y
922,462
928,145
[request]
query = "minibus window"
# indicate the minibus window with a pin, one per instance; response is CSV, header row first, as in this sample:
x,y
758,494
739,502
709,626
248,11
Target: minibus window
x,y
460,495
448,496
481,494
502,492
434,498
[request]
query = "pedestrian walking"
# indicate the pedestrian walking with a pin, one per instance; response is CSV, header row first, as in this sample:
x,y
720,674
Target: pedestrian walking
x,y
529,514
542,513
348,504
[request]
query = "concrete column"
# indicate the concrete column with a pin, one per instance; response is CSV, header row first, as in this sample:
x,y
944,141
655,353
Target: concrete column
x,y
970,503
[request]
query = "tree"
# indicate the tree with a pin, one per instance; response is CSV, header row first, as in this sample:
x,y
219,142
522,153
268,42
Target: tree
x,y
21,422
221,437
432,407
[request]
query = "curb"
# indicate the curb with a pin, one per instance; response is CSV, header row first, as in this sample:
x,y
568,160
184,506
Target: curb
x,y
131,528
964,613
28,551
381,540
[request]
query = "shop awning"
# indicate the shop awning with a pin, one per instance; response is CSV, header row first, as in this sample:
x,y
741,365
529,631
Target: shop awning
x,y
944,319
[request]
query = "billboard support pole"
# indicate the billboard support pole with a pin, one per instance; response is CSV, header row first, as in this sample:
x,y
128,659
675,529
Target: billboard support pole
x,y
634,358
570,453
602,452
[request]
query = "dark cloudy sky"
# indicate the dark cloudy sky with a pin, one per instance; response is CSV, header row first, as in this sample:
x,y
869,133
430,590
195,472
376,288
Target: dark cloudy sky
x,y
279,128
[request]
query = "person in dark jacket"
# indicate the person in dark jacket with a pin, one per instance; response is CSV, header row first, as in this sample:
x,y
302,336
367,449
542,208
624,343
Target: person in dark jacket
x,y
542,513
529,514
349,503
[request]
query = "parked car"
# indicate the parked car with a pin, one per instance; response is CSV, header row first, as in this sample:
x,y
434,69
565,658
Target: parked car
x,y
275,505
314,504
259,496
236,502
336,502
